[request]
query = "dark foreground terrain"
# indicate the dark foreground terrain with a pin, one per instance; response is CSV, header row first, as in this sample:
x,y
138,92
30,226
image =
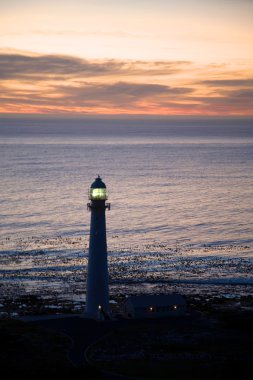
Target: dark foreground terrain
x,y
212,342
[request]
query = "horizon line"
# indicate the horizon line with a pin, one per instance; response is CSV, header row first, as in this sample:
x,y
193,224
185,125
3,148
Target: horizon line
x,y
122,116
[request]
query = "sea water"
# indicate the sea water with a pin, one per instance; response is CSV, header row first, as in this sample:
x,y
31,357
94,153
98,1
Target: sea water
x,y
181,194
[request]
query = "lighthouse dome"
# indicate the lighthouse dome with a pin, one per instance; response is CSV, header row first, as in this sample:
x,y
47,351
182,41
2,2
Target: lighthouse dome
x,y
97,190
98,184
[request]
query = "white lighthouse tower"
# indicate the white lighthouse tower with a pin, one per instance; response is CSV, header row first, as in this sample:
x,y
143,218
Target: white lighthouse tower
x,y
97,294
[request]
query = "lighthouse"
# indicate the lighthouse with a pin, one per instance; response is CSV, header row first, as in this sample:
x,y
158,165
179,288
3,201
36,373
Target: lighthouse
x,y
97,292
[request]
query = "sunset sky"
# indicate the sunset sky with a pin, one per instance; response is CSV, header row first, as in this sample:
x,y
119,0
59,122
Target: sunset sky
x,y
161,57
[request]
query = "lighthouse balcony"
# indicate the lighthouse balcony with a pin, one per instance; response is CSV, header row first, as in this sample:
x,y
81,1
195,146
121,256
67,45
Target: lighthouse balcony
x,y
92,205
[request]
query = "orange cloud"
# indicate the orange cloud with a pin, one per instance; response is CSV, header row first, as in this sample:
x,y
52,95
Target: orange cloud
x,y
66,84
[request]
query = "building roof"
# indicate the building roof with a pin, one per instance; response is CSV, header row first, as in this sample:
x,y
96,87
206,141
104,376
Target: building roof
x,y
156,300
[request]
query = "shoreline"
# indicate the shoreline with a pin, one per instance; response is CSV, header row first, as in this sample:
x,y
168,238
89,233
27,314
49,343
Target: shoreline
x,y
35,305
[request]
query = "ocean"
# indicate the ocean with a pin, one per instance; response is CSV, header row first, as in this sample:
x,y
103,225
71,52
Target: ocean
x,y
181,194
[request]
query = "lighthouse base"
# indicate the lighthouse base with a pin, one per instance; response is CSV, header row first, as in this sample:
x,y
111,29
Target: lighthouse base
x,y
97,316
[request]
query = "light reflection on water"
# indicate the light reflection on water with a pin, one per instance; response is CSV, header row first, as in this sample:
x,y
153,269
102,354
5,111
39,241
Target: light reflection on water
x,y
166,192
170,198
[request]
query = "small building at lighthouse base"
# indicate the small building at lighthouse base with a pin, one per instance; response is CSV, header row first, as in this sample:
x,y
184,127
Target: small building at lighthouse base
x,y
154,306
